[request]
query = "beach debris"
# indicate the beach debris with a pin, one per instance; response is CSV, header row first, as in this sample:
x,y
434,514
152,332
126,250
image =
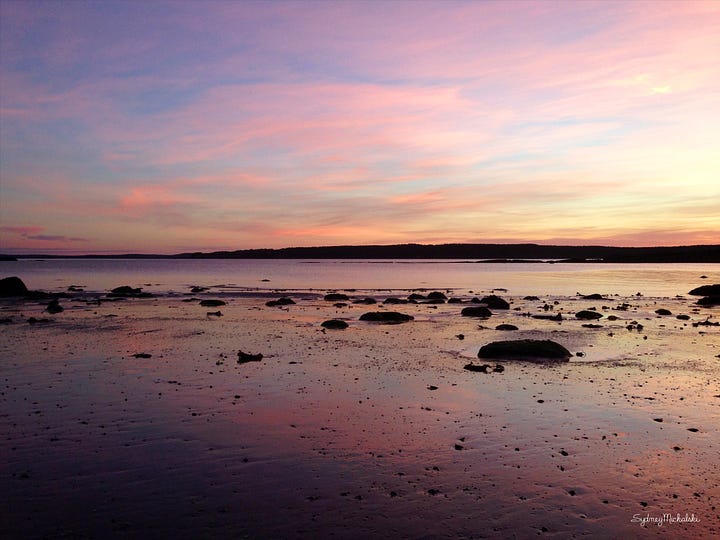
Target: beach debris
x,y
476,311
663,311
54,307
506,327
706,290
126,291
536,350
495,302
212,303
244,357
337,297
12,286
588,315
142,355
386,317
283,301
334,324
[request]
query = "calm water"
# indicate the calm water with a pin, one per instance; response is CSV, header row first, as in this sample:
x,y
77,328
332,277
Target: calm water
x,y
163,275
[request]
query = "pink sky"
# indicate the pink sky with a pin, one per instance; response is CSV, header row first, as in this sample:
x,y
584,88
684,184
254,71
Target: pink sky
x,y
186,126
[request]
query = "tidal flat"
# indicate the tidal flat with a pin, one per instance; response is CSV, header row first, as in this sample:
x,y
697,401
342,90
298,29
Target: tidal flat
x,y
133,418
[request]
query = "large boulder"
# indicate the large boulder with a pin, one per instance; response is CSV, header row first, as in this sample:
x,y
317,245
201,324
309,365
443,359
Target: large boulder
x,y
476,311
706,290
387,317
588,315
534,350
494,302
709,301
12,286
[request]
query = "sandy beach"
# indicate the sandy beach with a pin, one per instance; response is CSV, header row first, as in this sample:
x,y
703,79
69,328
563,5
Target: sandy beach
x,y
133,418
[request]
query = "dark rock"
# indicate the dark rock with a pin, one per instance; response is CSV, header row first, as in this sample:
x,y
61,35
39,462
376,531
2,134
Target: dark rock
x,y
340,305
506,327
244,357
126,291
591,325
393,300
683,317
494,302
284,301
432,387
211,303
198,289
587,315
142,355
663,311
416,296
706,290
54,307
337,297
525,349
387,317
533,298
214,314
498,368
436,295
476,311
455,301
557,317
460,336
75,288
33,320
706,322
335,324
594,296
709,301
12,286
6,320
366,301
474,367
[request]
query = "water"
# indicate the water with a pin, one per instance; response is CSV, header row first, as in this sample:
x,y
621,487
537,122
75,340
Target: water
x,y
167,275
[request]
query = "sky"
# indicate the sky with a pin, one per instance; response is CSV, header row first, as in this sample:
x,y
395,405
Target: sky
x,y
168,127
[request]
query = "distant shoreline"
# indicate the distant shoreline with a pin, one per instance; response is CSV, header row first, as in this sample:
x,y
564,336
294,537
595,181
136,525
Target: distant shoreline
x,y
470,253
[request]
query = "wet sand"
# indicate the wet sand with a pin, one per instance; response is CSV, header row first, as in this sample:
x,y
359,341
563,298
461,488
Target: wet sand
x,y
375,431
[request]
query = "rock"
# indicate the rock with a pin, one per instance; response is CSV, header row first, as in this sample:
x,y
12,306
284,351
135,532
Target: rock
x,y
480,369
142,355
706,290
244,357
683,317
557,317
211,303
525,349
476,311
663,311
532,298
335,324
591,325
595,296
416,296
455,301
198,289
387,317
587,315
436,295
12,286
366,301
494,302
709,301
393,300
337,297
284,301
214,314
54,307
126,291
507,327
33,320
499,368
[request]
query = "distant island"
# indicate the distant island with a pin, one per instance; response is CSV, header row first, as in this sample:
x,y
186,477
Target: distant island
x,y
496,253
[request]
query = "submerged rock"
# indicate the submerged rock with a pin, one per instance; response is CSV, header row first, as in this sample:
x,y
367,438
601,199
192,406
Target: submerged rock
x,y
54,307
388,317
12,286
126,291
335,324
476,311
706,290
337,297
393,300
494,302
244,357
587,315
536,350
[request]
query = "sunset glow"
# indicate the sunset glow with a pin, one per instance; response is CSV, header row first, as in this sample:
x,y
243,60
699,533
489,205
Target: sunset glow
x,y
165,127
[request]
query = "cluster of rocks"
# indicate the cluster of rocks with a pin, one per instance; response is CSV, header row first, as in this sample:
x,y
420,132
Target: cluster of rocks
x,y
710,294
